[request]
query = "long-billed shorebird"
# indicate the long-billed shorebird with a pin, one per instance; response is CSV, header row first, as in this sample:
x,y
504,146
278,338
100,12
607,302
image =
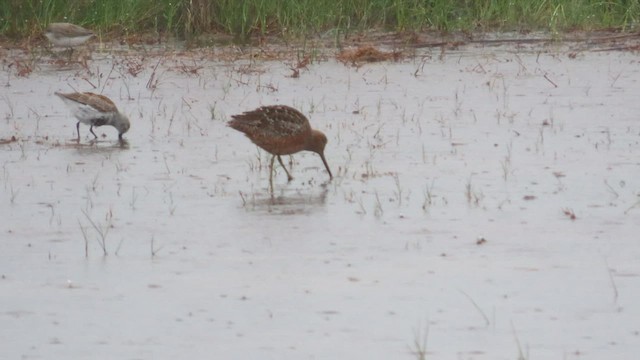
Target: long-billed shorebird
x,y
280,130
95,110
67,35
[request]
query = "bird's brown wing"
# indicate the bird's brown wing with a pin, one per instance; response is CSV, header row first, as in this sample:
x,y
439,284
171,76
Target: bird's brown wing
x,y
96,101
275,121
67,29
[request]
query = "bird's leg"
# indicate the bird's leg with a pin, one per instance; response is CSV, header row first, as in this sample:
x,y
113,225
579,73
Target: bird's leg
x,y
94,134
78,129
271,174
289,177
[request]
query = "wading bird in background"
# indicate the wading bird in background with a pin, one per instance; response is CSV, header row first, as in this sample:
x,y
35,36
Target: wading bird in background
x,y
67,35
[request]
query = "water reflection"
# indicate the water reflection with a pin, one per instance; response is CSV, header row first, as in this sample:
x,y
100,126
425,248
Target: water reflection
x,y
287,201
99,146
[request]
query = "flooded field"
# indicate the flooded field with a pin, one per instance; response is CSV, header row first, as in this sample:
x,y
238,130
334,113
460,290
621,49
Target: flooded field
x,y
485,205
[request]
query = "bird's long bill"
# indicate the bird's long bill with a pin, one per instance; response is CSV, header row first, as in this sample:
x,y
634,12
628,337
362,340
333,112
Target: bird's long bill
x,y
326,165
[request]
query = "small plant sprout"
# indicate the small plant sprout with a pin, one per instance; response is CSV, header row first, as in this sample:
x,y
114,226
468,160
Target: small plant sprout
x,y
540,140
506,163
457,104
38,118
119,246
23,150
101,230
635,205
614,193
475,305
14,194
521,355
212,111
428,196
420,68
134,198
419,347
166,164
559,175
154,250
53,212
244,200
363,211
10,113
153,82
546,76
172,205
398,192
614,78
611,271
506,168
86,239
377,211
472,196
152,119
94,183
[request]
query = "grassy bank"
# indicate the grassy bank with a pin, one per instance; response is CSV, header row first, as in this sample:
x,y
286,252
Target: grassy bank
x,y
294,18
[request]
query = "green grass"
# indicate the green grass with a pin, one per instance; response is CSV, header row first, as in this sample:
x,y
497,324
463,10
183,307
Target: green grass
x,y
298,18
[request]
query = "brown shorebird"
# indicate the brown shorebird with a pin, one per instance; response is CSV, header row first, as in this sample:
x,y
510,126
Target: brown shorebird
x,y
280,130
95,110
67,35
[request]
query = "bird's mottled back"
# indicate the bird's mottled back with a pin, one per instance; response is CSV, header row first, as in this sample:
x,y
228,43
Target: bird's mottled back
x,y
97,101
271,121
67,30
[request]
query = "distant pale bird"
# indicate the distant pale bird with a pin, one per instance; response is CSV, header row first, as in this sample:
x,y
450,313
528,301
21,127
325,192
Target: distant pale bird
x,y
67,35
95,110
280,130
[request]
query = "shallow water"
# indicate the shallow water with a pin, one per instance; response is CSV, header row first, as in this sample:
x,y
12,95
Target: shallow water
x,y
172,246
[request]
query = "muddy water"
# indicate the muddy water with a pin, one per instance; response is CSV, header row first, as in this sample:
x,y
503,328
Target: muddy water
x,y
457,177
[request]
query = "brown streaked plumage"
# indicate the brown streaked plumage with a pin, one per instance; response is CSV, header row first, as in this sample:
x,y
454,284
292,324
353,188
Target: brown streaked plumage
x,y
281,130
95,110
67,35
